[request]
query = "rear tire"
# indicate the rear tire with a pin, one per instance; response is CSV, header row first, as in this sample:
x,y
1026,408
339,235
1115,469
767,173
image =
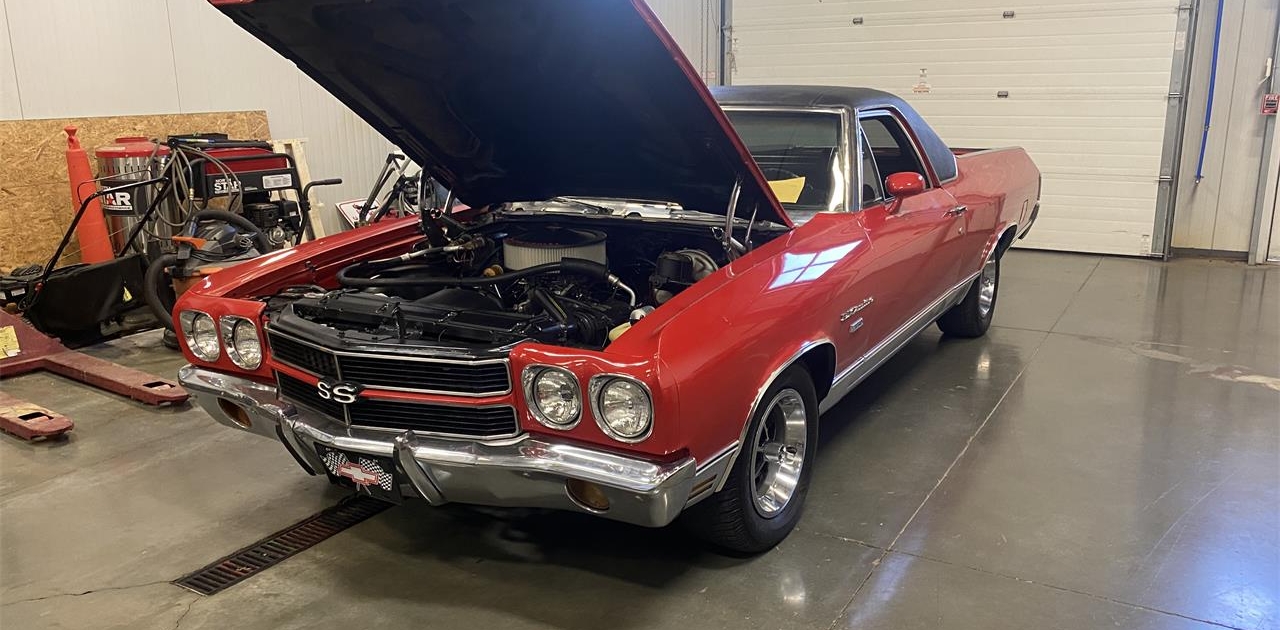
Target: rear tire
x,y
972,316
763,498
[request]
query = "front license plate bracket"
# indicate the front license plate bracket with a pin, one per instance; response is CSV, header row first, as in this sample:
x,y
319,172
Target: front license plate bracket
x,y
370,475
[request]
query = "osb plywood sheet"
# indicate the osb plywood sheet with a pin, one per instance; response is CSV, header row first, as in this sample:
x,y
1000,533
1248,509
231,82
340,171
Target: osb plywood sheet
x,y
35,197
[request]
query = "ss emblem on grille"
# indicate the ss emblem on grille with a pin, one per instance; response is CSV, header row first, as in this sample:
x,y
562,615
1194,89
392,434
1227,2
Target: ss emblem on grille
x,y
338,391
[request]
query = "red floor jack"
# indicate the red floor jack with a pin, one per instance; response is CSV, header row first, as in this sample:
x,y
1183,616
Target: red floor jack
x,y
24,349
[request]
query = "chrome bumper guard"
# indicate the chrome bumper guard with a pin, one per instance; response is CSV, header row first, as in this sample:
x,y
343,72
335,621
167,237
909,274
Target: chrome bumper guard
x,y
524,471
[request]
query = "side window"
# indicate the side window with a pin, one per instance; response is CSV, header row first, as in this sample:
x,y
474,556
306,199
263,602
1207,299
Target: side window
x,y
893,150
872,182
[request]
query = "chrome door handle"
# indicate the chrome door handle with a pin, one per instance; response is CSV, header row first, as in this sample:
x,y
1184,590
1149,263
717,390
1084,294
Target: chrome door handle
x,y
957,211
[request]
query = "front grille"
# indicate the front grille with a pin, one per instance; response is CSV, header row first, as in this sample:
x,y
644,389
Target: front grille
x,y
302,356
446,378
304,395
436,376
453,420
484,422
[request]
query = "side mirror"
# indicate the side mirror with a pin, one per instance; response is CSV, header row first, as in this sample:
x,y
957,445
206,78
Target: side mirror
x,y
903,185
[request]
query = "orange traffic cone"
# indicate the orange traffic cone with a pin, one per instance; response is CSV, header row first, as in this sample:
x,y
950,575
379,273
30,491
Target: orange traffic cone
x,y
95,242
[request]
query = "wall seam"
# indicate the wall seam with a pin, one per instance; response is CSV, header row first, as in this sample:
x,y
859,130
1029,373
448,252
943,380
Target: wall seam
x,y
13,61
173,56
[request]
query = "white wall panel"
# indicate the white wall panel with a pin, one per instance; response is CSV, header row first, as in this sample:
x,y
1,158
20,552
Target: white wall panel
x,y
1217,212
695,25
1086,82
101,58
10,100
220,67
352,150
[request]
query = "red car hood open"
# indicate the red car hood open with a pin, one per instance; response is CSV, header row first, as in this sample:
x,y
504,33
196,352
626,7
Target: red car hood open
x,y
517,100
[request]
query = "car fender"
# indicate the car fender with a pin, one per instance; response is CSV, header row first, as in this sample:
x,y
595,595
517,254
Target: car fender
x,y
724,342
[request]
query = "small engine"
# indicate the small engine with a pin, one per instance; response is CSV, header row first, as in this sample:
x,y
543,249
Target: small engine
x,y
277,219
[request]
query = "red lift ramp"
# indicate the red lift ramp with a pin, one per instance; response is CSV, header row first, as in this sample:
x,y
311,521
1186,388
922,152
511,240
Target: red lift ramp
x,y
24,349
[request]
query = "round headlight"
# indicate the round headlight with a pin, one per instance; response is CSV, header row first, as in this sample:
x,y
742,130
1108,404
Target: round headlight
x,y
622,408
241,338
553,396
201,334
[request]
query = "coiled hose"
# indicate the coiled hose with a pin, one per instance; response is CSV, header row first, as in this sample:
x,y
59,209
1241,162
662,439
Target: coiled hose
x,y
157,289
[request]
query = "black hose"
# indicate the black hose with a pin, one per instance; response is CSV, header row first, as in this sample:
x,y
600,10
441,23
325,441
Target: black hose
x,y
577,266
156,281
246,226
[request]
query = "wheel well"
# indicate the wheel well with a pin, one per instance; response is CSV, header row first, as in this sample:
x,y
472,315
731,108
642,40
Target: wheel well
x,y
820,361
1006,240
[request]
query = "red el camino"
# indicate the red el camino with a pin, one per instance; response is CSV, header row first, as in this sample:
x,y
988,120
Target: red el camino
x,y
655,289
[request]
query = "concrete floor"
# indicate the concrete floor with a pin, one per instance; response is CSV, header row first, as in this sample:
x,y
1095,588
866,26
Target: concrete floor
x,y
1108,456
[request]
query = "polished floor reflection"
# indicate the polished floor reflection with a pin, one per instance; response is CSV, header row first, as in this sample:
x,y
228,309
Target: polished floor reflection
x,y
1108,456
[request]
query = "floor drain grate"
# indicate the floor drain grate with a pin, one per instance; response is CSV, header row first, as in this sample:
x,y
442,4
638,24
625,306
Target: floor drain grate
x,y
270,551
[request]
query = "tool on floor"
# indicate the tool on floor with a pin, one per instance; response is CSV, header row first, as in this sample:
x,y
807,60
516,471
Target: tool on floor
x,y
24,349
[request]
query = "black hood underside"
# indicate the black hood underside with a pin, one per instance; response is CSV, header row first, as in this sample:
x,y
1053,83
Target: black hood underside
x,y
505,100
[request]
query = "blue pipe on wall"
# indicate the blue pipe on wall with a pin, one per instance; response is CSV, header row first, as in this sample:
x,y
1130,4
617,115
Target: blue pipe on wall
x,y
1213,81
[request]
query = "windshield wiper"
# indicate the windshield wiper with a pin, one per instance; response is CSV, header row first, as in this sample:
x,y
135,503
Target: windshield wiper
x,y
599,209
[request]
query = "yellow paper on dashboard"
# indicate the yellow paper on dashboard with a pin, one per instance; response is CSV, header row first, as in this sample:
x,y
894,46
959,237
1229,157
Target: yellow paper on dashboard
x,y
787,190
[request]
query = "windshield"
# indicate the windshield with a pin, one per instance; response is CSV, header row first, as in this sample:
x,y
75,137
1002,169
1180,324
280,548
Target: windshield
x,y
798,152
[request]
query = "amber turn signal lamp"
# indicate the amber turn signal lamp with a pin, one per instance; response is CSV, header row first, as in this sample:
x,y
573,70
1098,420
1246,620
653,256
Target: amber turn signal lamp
x,y
237,413
587,494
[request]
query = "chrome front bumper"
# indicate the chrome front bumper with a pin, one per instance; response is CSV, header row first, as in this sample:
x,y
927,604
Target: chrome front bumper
x,y
524,471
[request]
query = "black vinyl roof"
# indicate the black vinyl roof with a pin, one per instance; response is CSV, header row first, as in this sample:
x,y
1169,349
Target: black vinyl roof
x,y
937,151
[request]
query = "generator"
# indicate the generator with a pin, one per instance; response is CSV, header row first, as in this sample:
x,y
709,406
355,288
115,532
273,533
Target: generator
x,y
202,168
251,175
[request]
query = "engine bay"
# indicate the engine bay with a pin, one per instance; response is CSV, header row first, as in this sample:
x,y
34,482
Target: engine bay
x,y
576,283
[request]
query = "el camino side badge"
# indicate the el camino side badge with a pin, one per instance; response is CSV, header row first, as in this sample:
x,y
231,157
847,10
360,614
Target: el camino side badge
x,y
847,315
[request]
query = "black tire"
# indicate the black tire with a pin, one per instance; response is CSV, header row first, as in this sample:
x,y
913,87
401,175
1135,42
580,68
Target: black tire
x,y
730,519
970,318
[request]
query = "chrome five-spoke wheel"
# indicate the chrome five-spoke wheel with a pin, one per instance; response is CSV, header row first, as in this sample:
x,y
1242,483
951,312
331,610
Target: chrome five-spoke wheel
x,y
777,452
987,286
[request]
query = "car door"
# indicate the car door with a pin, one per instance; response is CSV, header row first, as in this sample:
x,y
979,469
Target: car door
x,y
915,240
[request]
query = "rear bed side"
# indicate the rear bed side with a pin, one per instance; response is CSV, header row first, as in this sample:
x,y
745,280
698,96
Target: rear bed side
x,y
1001,188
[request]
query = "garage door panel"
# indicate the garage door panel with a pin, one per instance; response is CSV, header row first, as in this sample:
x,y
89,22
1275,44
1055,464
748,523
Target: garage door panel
x,y
998,134
1123,240
894,63
1087,208
928,11
1011,81
1084,87
1099,190
1099,124
919,28
937,8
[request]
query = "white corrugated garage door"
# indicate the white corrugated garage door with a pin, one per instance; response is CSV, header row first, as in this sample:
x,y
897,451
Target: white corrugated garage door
x,y
1087,86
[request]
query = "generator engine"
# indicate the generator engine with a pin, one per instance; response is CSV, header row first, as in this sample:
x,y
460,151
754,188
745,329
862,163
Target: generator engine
x,y
252,175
